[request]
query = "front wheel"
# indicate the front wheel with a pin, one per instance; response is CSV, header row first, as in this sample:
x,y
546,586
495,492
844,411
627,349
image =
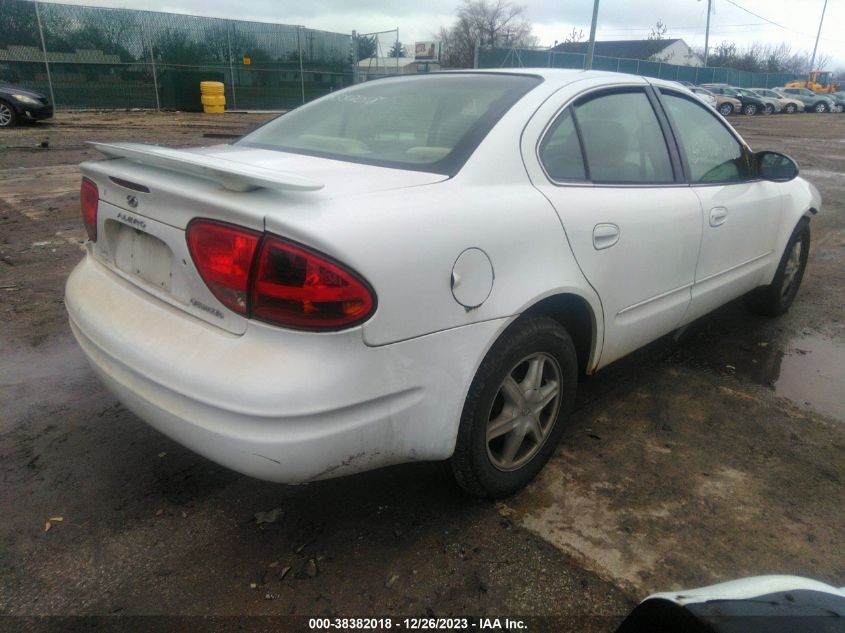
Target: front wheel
x,y
775,299
8,117
769,108
516,408
820,107
790,108
725,109
750,109
839,108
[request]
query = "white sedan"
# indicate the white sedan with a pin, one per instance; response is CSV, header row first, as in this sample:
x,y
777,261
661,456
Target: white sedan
x,y
420,268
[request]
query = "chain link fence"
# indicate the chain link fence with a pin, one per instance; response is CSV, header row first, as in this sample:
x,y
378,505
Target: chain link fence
x,y
532,58
91,57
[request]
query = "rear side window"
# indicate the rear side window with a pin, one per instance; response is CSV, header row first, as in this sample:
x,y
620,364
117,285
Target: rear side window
x,y
560,151
623,141
713,153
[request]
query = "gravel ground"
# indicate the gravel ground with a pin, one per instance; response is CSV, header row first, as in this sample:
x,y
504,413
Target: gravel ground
x,y
717,455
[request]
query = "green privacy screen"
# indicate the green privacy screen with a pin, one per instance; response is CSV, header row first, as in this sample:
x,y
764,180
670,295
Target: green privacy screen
x,y
531,58
119,58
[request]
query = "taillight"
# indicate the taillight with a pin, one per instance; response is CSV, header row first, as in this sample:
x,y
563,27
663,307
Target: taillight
x,y
223,255
272,279
89,198
298,287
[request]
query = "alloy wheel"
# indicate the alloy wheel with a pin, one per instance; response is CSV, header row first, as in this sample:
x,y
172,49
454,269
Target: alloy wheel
x,y
751,109
793,265
790,108
5,115
524,411
820,107
725,109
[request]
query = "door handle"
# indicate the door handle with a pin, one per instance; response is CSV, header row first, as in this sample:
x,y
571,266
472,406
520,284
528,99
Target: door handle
x,y
718,215
605,236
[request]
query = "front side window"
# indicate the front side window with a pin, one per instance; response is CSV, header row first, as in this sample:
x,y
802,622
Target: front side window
x,y
425,123
713,154
623,141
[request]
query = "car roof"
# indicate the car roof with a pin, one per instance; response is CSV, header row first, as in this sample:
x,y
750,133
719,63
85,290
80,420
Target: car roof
x,y
563,76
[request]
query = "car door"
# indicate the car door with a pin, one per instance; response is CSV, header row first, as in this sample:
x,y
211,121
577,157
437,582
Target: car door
x,y
740,219
633,225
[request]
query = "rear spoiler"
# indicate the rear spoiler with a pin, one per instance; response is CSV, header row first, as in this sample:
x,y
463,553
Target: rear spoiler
x,y
231,175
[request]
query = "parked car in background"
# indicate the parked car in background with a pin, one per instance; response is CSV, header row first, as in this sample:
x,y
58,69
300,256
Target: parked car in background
x,y
839,101
724,104
813,102
770,104
20,104
707,97
788,105
687,84
750,104
318,298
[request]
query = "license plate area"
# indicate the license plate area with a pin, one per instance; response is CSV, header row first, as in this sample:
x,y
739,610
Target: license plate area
x,y
141,255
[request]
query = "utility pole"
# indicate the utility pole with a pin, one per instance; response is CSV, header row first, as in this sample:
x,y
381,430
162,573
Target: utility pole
x,y
588,63
813,59
46,60
707,32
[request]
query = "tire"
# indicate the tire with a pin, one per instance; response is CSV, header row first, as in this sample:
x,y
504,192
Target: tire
x,y
726,109
8,116
839,108
750,109
790,108
775,299
820,107
769,108
530,357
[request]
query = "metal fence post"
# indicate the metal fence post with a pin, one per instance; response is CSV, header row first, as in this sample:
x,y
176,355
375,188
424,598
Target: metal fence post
x,y
301,72
354,57
231,65
145,32
46,61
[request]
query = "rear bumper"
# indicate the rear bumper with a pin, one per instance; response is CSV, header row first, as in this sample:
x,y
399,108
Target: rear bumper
x,y
274,404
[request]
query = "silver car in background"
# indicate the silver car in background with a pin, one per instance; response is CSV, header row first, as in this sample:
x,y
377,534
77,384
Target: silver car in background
x,y
706,96
788,105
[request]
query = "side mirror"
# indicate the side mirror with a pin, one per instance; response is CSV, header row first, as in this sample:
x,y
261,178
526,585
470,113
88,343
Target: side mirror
x,y
775,166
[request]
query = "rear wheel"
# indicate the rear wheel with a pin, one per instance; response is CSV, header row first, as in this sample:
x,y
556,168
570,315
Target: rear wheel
x,y
769,108
750,109
725,109
8,116
516,408
775,299
820,107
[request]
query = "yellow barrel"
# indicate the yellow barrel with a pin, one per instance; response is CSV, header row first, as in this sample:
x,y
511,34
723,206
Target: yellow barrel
x,y
212,97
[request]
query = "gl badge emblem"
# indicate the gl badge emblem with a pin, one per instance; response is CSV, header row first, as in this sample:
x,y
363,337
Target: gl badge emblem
x,y
132,201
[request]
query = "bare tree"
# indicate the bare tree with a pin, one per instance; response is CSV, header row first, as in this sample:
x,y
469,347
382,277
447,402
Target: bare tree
x,y
658,32
484,23
575,35
759,57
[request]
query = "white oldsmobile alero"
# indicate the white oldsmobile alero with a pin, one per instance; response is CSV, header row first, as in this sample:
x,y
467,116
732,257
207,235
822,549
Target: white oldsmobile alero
x,y
420,268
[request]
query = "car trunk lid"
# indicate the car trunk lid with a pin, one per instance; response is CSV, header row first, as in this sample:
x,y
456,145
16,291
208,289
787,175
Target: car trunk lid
x,y
148,197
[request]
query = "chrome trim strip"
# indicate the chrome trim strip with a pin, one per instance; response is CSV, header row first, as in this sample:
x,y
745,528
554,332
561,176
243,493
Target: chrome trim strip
x,y
655,298
732,268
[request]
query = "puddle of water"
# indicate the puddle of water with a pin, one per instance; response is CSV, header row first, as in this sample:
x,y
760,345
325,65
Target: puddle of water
x,y
812,374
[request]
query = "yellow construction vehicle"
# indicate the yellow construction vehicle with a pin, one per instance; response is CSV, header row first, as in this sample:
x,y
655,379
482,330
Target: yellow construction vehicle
x,y
819,82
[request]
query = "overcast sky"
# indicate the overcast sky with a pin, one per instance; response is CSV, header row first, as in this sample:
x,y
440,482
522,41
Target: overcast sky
x,y
795,21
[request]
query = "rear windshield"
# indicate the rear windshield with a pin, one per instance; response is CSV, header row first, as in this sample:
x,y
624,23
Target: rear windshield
x,y
429,123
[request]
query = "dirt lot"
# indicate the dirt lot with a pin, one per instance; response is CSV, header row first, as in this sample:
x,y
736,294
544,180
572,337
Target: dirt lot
x,y
719,455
